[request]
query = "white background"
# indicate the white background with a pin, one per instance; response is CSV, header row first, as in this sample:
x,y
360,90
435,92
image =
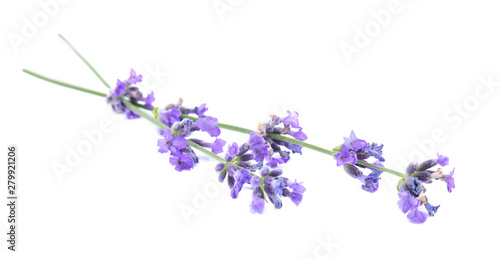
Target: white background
x,y
262,58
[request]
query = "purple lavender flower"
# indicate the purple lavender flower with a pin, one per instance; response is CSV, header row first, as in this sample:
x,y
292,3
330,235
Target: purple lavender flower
x,y
149,101
407,202
416,216
133,94
292,119
345,156
375,151
450,181
354,143
209,124
411,190
216,146
442,160
275,145
258,147
200,111
257,204
277,185
171,143
431,209
182,162
270,183
170,116
134,78
242,177
299,135
297,192
233,150
275,161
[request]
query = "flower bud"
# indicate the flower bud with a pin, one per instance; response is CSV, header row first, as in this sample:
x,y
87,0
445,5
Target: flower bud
x,y
219,167
412,167
246,157
352,170
426,165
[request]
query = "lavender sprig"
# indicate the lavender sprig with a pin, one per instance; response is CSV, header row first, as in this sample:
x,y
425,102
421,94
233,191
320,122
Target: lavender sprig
x,y
176,125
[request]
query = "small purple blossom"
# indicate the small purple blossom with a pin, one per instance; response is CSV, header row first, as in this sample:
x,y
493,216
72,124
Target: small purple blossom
x,y
354,143
345,156
149,101
232,150
292,119
170,116
171,143
297,192
134,78
442,160
416,216
277,185
450,181
125,89
209,124
200,111
257,204
258,147
182,162
299,135
242,177
216,146
431,209
407,202
375,151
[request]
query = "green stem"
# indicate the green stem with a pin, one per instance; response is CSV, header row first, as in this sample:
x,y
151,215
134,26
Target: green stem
x,y
84,60
85,90
164,127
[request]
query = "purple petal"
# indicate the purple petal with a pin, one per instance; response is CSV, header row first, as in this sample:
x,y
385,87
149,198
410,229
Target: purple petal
x,y
407,202
209,124
292,119
416,216
257,205
149,100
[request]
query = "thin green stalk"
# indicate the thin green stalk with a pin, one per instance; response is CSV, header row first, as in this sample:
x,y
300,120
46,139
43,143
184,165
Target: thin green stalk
x,y
85,90
84,60
164,127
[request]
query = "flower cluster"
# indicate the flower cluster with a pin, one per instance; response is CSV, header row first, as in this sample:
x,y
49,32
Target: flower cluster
x,y
290,126
354,150
175,141
127,89
270,184
412,191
